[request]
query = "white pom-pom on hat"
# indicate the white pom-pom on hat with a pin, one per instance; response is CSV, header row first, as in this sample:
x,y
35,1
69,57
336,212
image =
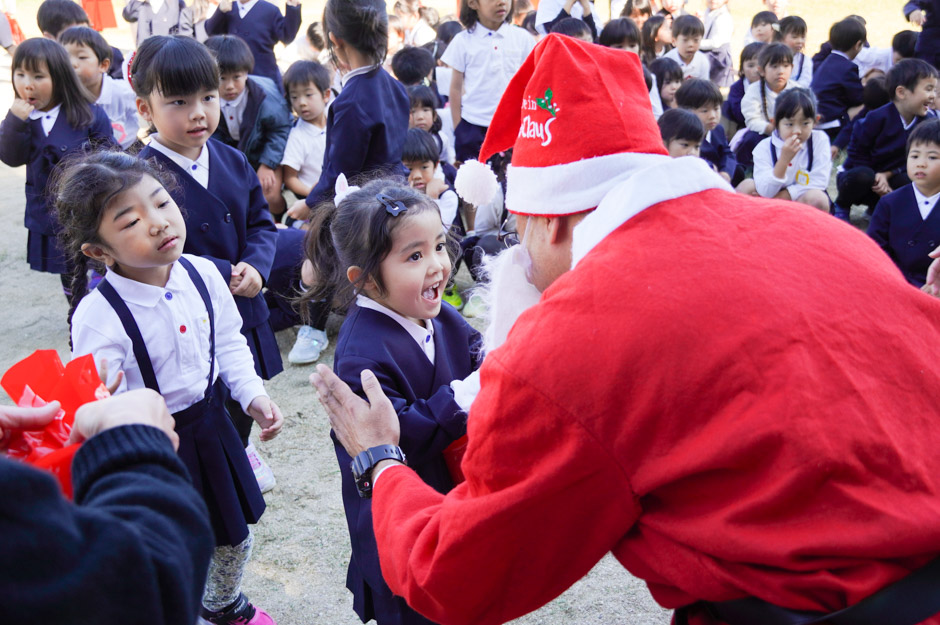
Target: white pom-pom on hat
x,y
476,183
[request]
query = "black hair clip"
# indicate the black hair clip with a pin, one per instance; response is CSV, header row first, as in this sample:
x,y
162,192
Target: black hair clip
x,y
393,207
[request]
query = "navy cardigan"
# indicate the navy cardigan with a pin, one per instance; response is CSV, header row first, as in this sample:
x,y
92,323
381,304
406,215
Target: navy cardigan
x,y
365,131
879,141
896,225
837,87
265,125
261,29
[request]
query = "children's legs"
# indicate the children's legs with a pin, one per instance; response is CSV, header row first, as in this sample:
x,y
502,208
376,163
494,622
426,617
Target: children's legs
x,y
783,194
274,196
747,187
815,198
224,583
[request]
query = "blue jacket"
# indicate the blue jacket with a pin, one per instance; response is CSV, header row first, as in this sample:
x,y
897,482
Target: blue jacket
x,y
136,541
430,419
837,88
24,143
880,141
928,42
718,152
261,29
365,131
227,223
732,106
896,225
265,125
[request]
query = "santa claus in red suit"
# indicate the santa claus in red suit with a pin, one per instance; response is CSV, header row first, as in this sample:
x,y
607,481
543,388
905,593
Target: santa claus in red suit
x,y
737,397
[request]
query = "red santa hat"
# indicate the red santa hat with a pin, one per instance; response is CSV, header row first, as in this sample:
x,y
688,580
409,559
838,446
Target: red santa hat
x,y
578,118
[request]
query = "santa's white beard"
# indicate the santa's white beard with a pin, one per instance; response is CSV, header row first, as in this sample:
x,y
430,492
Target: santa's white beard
x,y
507,293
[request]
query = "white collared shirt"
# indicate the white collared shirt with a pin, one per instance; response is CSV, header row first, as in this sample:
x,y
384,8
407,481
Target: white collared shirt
x,y
904,124
120,103
925,204
244,7
174,324
356,72
698,67
156,5
47,118
198,169
423,336
233,111
488,59
306,145
798,178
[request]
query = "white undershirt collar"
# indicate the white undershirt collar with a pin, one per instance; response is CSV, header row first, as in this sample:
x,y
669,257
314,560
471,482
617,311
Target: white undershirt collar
x,y
925,204
198,169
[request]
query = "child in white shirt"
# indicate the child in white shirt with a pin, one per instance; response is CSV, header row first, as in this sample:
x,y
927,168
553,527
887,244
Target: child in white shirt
x,y
308,89
687,33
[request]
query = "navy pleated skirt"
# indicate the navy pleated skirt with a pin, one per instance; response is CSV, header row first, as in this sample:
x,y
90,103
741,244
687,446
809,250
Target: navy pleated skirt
x,y
43,253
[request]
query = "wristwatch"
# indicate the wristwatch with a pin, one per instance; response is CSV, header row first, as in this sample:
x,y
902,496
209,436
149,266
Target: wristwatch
x,y
363,464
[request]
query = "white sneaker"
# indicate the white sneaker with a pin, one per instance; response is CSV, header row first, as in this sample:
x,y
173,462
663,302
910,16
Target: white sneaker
x,y
263,472
306,350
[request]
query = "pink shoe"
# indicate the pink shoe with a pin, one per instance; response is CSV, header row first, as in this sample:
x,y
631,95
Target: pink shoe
x,y
239,613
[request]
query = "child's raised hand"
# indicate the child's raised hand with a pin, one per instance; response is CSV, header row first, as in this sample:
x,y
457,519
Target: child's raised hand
x,y
103,375
299,210
790,148
435,188
21,108
834,152
266,414
225,5
250,283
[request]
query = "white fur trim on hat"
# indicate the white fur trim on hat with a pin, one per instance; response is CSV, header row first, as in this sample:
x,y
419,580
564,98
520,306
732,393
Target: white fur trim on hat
x,y
571,188
665,180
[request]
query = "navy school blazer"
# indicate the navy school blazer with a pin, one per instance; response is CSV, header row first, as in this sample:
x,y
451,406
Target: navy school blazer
x,y
718,152
837,87
420,393
732,106
880,141
266,123
227,223
365,131
261,29
24,143
896,225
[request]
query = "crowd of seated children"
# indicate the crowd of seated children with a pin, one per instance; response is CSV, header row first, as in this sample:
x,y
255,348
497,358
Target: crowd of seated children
x,y
775,63
703,98
875,164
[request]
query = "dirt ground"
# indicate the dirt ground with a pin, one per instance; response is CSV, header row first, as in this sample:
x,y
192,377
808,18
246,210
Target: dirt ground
x,y
298,569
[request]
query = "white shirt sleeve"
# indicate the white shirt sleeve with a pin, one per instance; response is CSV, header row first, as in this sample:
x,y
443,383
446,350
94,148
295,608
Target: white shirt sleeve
x,y
700,67
234,360
722,30
447,204
655,100
455,55
294,152
806,76
88,337
767,184
752,109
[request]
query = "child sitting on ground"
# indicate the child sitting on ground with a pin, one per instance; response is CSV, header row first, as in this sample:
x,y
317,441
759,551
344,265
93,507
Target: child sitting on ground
x,y
775,63
765,28
836,82
905,223
794,162
425,115
703,98
421,158
793,35
622,34
747,75
687,33
91,58
682,132
668,77
876,154
307,84
716,44
254,113
573,27
656,39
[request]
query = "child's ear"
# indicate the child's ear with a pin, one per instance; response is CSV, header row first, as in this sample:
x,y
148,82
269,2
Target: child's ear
x,y
354,274
143,108
96,252
104,66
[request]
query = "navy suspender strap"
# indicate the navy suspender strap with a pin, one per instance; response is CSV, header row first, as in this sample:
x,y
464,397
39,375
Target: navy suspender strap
x,y
137,341
204,293
908,601
809,146
133,332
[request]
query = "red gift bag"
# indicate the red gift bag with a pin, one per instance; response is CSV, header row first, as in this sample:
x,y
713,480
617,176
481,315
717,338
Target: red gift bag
x,y
37,380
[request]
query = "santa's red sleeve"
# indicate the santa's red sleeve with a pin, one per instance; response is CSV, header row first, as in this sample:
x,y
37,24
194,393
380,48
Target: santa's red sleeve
x,y
514,535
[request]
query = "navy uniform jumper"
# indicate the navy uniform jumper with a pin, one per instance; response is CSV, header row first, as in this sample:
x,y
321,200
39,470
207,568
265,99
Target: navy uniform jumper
x,y
209,447
430,421
25,143
897,226
229,223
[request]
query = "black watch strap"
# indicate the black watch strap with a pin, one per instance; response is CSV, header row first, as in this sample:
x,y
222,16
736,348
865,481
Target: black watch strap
x,y
363,464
